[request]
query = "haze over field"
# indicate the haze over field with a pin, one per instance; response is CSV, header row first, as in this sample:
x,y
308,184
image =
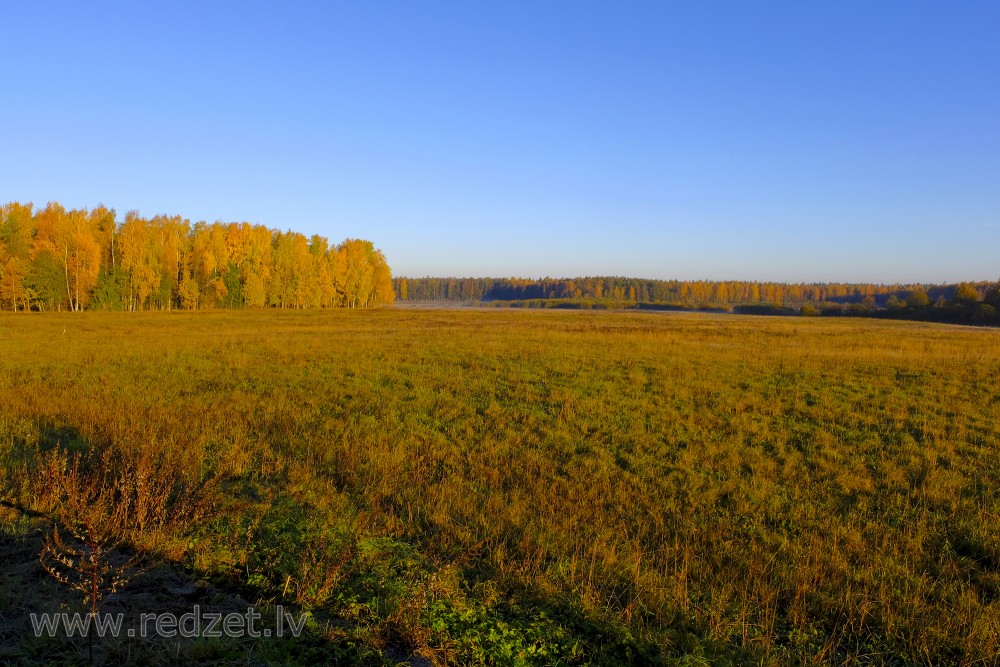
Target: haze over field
x,y
847,142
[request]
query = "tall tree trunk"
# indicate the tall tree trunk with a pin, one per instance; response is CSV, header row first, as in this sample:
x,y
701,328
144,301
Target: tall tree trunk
x,y
69,293
77,304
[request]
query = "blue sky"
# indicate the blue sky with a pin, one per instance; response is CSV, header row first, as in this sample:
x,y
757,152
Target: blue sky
x,y
798,141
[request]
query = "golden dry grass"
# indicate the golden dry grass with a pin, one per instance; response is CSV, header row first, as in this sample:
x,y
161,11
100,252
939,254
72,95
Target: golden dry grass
x,y
766,489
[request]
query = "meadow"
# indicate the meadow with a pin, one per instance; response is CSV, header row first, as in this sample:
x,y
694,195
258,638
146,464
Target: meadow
x,y
505,487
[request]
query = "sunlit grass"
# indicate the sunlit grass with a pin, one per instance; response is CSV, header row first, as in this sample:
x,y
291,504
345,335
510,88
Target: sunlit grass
x,y
778,490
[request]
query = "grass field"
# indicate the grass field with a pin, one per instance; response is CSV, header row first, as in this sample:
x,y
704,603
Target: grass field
x,y
512,488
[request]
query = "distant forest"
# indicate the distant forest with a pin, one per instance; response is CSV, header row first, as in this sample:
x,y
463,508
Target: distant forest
x,y
969,303
54,259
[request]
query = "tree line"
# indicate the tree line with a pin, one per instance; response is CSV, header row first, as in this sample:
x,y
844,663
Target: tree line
x,y
976,303
57,259
689,292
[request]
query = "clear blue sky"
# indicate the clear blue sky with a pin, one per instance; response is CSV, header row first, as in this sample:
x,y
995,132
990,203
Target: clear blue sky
x,y
827,141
